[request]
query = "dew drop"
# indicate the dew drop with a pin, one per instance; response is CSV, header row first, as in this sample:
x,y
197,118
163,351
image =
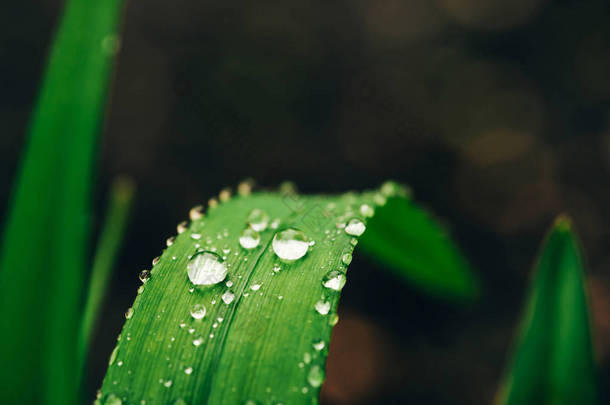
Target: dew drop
x,y
212,203
335,280
367,210
182,226
255,287
319,345
196,212
129,313
275,223
113,355
346,258
206,268
249,238
170,241
323,307
197,342
290,244
155,260
229,283
244,188
198,311
195,236
179,401
144,276
258,220
228,297
188,370
315,377
167,383
112,399
224,195
333,320
355,227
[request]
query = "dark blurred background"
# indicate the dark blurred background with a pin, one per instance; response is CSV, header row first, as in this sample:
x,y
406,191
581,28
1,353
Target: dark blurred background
x,y
496,112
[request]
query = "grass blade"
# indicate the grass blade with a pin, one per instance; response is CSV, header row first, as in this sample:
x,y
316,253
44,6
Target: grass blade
x,y
404,238
44,249
553,358
266,344
108,246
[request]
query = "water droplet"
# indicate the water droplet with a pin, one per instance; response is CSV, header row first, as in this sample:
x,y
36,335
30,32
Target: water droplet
x,y
346,258
196,236
140,289
170,241
275,223
228,297
113,355
198,311
307,358
276,268
167,383
335,280
224,195
258,220
144,276
196,212
366,210
179,401
290,244
197,342
229,283
206,268
212,203
119,364
188,370
111,44
112,399
245,188
379,199
255,287
319,345
323,307
315,377
355,227
353,241
334,318
251,402
182,227
155,260
249,238
129,313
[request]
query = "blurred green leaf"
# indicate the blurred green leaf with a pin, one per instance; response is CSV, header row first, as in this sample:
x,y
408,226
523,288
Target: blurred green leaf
x,y
553,356
44,250
404,238
108,246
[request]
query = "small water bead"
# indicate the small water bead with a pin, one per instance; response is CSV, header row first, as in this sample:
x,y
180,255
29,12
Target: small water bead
x,y
275,223
249,238
307,358
196,212
323,307
353,241
379,199
319,345
129,313
197,342
315,377
179,401
170,241
206,268
224,195
168,383
229,283
334,318
212,203
195,236
276,268
346,258
258,220
198,311
188,370
255,287
182,227
355,227
228,297
244,188
144,276
156,260
335,280
112,399
290,244
113,355
366,210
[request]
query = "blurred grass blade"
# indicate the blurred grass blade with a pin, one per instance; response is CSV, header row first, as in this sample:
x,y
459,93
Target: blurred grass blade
x,y
121,194
266,328
553,358
45,240
404,238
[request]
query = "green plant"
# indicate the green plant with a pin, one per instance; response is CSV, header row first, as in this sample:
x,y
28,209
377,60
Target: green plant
x,y
241,304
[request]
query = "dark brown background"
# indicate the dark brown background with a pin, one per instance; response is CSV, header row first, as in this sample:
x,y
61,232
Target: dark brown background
x,y
497,113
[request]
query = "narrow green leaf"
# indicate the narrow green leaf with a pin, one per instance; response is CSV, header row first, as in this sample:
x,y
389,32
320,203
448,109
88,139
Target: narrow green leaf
x,y
121,194
265,333
404,238
44,249
553,357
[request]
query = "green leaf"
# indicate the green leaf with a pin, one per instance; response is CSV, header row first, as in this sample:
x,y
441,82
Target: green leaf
x,y
44,251
269,343
404,238
553,357
108,246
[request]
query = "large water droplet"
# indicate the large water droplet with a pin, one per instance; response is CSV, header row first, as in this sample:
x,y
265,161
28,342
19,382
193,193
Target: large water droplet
x,y
335,280
198,311
206,268
258,220
315,377
249,238
323,307
355,227
290,244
